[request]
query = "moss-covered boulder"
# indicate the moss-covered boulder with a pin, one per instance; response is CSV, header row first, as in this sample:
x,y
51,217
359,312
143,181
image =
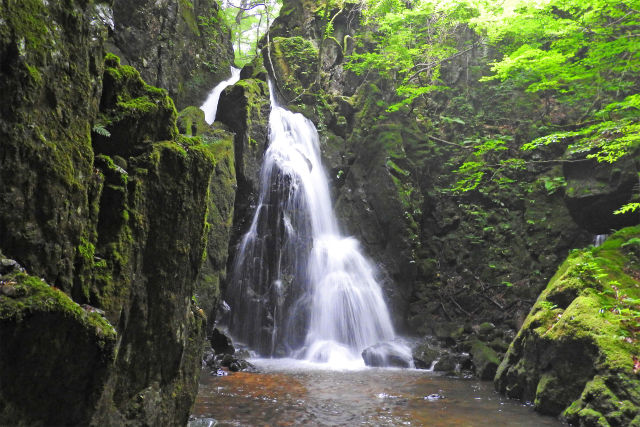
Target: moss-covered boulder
x,y
180,45
485,360
577,352
49,375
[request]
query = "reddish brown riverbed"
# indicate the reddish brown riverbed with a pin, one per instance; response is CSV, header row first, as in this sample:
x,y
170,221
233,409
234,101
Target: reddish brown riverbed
x,y
289,392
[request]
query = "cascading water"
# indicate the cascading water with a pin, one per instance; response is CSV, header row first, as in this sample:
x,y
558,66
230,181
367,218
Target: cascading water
x,y
210,106
599,239
299,288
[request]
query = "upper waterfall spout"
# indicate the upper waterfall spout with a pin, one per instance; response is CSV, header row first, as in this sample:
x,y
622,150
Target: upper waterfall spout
x,y
210,106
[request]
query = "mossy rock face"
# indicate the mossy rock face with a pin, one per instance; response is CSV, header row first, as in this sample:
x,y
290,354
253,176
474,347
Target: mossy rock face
x,y
295,65
179,45
244,108
575,353
50,82
52,347
220,207
132,113
103,199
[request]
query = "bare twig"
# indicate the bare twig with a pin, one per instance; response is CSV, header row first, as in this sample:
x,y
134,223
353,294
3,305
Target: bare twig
x,y
459,306
448,142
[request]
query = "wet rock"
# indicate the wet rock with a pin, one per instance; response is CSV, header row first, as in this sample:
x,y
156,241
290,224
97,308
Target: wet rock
x,y
454,364
221,343
425,354
446,363
434,397
387,354
9,266
209,359
485,360
202,422
235,364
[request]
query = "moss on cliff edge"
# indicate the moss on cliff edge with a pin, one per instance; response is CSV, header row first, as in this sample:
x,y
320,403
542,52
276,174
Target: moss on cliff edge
x,y
295,61
65,362
577,351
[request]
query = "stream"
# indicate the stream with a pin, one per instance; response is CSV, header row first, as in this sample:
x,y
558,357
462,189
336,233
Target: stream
x,y
294,392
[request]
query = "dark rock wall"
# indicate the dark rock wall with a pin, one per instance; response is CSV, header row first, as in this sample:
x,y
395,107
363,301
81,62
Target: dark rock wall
x,y
104,200
220,212
244,108
51,63
180,45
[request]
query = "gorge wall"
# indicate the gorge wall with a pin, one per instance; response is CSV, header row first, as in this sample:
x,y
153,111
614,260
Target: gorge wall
x,y
107,214
181,46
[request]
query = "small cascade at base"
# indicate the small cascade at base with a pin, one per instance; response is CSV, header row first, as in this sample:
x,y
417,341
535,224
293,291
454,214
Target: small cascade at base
x,y
210,106
298,287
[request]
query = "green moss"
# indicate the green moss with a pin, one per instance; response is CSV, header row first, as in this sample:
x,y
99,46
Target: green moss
x,y
35,75
111,60
37,296
29,19
133,112
86,249
295,60
584,312
138,106
188,14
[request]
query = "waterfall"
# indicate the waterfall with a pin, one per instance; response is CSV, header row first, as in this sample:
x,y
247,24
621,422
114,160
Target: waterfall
x,y
210,106
599,239
299,288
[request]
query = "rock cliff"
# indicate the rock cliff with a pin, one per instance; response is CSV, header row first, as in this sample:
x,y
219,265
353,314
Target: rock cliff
x,y
183,46
107,214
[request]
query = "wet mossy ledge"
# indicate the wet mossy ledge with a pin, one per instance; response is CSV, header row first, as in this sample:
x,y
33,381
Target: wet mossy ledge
x,y
577,354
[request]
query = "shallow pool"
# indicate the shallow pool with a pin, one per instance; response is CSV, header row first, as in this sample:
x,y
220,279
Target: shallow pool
x,y
290,392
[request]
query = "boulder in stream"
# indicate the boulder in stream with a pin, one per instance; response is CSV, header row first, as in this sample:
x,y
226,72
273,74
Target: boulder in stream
x,y
387,354
221,343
